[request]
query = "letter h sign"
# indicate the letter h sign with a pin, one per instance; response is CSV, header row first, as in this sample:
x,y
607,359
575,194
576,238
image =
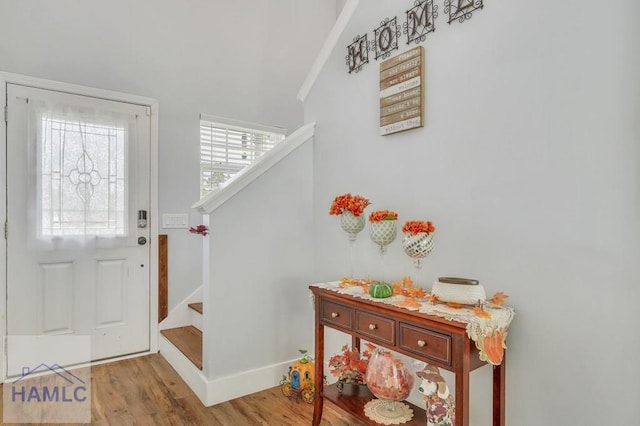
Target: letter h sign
x,y
357,53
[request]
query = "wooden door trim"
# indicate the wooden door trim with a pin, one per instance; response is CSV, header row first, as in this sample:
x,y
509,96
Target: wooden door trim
x,y
163,277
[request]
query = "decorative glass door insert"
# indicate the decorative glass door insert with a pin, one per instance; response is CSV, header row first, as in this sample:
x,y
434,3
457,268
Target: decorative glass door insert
x,y
82,177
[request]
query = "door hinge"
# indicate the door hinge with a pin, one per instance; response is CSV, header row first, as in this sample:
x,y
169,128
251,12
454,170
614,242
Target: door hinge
x,y
6,113
6,229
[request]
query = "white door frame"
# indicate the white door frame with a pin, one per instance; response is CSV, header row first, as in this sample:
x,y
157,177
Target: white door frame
x,y
6,78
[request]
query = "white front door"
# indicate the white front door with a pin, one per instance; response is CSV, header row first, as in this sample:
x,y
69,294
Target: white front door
x,y
77,253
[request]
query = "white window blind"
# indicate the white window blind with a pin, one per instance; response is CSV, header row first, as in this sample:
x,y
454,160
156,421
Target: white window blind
x,y
227,146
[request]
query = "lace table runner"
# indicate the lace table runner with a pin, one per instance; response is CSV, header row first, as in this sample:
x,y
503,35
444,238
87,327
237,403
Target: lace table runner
x,y
487,326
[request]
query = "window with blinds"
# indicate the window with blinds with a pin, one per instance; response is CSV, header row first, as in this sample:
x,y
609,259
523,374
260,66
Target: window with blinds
x,y
227,146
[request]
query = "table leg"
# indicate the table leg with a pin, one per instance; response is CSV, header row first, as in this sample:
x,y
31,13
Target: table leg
x,y
462,390
499,376
319,368
462,400
355,343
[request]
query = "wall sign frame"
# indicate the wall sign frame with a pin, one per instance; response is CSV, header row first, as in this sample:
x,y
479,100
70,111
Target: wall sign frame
x,y
401,92
385,38
357,53
461,10
420,21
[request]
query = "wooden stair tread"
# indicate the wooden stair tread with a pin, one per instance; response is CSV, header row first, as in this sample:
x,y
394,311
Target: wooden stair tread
x,y
196,307
188,340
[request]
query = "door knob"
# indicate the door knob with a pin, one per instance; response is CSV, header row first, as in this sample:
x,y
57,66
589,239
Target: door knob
x,y
142,241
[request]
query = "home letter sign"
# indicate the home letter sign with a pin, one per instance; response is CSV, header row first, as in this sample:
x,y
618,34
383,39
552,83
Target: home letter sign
x,y
420,21
386,38
357,54
461,9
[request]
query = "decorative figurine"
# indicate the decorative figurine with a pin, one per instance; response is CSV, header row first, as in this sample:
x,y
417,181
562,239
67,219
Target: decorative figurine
x,y
440,405
299,381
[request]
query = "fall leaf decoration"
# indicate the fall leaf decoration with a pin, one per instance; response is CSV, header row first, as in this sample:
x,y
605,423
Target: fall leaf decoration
x,y
397,288
499,298
347,202
414,227
481,313
380,215
493,346
455,305
405,288
350,282
433,298
408,303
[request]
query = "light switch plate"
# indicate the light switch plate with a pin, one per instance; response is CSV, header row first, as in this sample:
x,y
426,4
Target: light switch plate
x,y
175,220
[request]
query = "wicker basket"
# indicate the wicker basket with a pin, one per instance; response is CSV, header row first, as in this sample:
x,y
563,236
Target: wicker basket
x,y
465,294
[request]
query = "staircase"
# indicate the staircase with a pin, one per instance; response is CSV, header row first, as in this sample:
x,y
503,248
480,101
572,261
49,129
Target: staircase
x,y
206,356
188,339
181,343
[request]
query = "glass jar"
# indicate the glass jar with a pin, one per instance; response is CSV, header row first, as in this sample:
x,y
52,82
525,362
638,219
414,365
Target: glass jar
x,y
389,378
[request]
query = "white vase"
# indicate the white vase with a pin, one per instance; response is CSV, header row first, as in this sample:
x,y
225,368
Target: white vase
x,y
351,224
383,232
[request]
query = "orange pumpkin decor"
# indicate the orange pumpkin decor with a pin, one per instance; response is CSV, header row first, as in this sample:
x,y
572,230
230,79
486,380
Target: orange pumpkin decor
x,y
493,347
299,382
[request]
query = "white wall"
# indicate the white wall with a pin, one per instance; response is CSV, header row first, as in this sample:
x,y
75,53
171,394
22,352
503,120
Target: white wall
x,y
242,60
529,166
261,254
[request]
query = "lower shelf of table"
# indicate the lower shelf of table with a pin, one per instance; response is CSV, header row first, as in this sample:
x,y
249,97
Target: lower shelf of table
x,y
353,399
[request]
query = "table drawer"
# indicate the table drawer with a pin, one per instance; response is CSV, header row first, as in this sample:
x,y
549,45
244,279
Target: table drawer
x,y
426,343
336,314
376,327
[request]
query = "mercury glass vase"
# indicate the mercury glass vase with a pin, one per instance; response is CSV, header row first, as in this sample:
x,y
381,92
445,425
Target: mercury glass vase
x,y
417,246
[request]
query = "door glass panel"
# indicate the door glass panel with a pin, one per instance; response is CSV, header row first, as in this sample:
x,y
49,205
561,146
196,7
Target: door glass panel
x,y
82,176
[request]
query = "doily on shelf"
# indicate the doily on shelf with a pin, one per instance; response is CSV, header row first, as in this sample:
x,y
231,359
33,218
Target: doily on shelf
x,y
377,410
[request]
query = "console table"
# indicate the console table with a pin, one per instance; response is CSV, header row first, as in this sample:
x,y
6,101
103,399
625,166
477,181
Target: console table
x,y
423,337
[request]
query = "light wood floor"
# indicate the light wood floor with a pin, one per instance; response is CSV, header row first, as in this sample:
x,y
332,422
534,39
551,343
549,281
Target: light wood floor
x,y
147,391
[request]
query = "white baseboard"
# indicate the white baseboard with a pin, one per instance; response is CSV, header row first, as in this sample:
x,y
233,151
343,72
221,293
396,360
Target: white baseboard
x,y
244,383
216,391
192,376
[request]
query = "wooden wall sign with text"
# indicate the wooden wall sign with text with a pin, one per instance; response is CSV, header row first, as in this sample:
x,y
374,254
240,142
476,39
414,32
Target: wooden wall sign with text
x,y
401,92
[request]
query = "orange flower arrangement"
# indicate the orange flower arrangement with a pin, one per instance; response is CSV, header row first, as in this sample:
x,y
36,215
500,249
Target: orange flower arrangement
x,y
414,227
350,366
347,202
381,215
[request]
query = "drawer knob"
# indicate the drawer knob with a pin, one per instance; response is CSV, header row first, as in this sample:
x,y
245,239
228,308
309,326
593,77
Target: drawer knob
x,y
372,326
334,315
422,343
